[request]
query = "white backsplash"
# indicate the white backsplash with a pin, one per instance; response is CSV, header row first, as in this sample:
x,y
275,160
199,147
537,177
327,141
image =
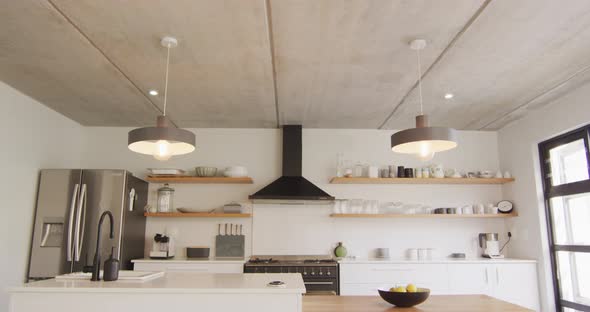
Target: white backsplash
x,y
287,229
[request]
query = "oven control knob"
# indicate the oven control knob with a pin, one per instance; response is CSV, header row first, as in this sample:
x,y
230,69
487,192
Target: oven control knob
x,y
328,273
321,273
304,273
312,273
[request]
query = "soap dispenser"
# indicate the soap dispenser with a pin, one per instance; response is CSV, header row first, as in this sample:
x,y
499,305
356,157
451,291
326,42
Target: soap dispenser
x,y
111,267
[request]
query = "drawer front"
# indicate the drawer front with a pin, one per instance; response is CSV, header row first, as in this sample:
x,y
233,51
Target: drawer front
x,y
190,267
432,276
361,289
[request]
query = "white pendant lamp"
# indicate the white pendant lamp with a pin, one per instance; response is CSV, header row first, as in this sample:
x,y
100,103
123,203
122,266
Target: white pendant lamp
x,y
423,141
164,140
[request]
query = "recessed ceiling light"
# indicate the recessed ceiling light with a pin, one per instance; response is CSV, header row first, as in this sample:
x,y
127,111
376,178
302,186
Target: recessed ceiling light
x,y
154,92
449,96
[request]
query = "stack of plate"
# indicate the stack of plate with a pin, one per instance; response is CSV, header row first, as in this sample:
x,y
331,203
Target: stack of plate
x,y
165,172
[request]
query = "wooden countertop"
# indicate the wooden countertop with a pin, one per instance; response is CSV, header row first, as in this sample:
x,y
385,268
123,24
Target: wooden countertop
x,y
458,303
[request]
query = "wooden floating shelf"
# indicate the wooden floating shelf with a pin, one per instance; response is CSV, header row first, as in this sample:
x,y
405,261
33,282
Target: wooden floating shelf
x,y
197,215
434,216
420,180
202,180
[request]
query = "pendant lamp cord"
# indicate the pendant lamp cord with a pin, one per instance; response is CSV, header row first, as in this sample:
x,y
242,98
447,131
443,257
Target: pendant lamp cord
x,y
419,82
166,83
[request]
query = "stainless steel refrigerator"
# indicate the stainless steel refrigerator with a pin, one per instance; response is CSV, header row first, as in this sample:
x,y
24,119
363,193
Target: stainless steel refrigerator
x,y
69,205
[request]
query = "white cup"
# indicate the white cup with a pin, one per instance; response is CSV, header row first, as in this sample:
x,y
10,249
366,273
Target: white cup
x,y
467,209
373,172
422,254
479,209
412,254
432,254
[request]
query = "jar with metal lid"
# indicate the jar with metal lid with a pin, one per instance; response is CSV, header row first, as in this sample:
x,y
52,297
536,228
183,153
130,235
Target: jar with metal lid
x,y
165,198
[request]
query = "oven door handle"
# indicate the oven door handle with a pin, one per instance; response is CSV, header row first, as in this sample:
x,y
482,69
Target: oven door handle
x,y
318,283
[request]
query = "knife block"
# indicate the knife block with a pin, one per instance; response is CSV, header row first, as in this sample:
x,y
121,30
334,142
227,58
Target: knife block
x,y
229,246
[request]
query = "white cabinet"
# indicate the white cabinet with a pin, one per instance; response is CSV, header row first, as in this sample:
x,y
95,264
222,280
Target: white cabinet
x,y
188,266
364,279
511,282
514,282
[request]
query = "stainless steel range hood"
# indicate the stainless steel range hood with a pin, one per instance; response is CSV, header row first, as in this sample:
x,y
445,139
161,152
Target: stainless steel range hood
x,y
292,186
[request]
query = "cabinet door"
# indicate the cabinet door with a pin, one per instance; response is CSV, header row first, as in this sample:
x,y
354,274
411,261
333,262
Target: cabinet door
x,y
516,283
470,278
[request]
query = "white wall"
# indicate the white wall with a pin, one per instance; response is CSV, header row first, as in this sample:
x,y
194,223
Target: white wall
x,y
311,230
260,151
518,148
33,137
257,149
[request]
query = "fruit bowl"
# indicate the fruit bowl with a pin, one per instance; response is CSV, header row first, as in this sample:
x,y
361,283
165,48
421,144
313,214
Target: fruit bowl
x,y
405,299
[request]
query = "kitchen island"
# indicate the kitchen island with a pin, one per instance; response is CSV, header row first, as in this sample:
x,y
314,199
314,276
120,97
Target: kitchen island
x,y
456,303
174,292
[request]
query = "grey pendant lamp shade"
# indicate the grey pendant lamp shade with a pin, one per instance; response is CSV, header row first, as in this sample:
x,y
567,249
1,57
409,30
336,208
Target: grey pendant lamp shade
x,y
164,140
423,141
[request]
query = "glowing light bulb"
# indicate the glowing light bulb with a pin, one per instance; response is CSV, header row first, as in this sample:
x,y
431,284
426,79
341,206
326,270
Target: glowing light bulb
x,y
162,151
426,153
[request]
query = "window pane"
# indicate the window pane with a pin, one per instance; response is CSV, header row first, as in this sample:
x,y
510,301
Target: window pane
x,y
574,270
571,217
568,163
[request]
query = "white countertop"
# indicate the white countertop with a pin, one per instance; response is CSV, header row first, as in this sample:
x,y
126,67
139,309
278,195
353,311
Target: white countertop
x,y
442,260
186,260
176,283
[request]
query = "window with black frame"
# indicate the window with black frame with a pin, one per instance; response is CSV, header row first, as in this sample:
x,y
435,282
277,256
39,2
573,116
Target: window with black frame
x,y
566,180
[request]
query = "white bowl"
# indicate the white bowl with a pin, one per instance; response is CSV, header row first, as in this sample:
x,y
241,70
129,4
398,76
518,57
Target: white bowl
x,y
236,172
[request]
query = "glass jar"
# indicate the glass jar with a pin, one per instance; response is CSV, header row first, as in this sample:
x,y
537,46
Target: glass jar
x,y
165,198
358,170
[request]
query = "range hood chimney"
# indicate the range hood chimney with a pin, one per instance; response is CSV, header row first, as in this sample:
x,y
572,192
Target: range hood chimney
x,y
292,185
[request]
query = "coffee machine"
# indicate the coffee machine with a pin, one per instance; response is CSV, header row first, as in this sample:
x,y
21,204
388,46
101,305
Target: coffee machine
x,y
162,247
490,245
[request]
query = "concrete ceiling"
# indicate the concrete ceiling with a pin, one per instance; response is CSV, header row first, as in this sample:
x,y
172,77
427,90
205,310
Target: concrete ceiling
x,y
324,64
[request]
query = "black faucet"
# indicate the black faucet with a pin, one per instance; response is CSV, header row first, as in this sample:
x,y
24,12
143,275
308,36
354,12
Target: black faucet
x,y
96,262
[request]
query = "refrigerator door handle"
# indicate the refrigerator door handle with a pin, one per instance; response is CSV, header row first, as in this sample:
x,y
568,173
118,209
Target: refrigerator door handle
x,y
131,199
71,223
83,221
79,220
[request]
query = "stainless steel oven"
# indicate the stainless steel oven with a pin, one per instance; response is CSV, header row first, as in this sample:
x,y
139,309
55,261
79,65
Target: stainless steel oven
x,y
320,273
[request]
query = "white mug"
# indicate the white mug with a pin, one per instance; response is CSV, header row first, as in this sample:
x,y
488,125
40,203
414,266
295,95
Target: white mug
x,y
422,254
418,173
467,209
479,209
